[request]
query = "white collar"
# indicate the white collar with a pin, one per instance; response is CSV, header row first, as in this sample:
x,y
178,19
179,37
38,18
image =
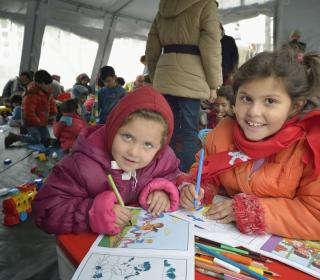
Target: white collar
x,y
126,176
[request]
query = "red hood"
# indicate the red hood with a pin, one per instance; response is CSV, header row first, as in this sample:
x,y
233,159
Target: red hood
x,y
143,98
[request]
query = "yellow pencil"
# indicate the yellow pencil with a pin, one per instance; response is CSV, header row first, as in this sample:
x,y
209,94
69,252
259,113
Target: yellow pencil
x,y
117,194
115,190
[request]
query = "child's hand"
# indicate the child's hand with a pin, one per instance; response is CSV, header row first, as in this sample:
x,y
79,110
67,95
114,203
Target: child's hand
x,y
187,196
123,215
222,211
158,202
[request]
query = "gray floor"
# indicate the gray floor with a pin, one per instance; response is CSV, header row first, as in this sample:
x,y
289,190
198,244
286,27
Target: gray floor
x,y
26,253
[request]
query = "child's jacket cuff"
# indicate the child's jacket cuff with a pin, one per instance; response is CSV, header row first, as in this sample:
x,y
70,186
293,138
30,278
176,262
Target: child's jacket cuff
x,y
163,185
249,214
101,214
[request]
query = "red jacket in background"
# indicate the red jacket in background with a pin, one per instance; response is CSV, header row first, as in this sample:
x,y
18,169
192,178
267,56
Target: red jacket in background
x,y
67,134
37,105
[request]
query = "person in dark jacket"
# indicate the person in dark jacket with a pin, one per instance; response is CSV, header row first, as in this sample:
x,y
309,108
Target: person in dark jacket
x,y
230,56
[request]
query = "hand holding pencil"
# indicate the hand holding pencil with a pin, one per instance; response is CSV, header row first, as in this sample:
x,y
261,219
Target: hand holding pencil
x,y
188,194
123,215
191,195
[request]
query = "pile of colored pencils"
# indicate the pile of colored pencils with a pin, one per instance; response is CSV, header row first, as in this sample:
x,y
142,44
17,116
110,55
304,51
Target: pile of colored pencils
x,y
226,262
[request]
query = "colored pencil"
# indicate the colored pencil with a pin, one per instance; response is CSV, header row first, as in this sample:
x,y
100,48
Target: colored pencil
x,y
219,262
115,190
222,246
226,265
117,194
218,269
242,267
195,202
253,255
271,273
211,273
214,248
237,258
217,275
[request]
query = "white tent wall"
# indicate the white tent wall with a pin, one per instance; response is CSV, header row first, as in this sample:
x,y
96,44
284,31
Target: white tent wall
x,y
104,20
301,15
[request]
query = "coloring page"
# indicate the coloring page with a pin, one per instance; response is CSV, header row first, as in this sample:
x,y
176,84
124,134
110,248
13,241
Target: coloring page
x,y
118,267
154,248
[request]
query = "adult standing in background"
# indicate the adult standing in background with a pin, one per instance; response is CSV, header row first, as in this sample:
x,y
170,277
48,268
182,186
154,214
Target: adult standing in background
x,y
184,62
295,42
230,56
16,86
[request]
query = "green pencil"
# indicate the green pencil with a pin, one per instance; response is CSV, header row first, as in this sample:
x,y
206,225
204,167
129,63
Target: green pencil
x,y
115,190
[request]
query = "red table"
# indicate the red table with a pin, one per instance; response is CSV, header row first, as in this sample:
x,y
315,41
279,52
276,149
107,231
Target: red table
x,y
75,247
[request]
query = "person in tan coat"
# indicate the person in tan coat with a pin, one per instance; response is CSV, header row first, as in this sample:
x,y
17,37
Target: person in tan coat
x,y
268,159
184,61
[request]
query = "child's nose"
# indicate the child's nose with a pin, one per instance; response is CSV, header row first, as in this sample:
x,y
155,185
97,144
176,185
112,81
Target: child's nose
x,y
134,150
255,109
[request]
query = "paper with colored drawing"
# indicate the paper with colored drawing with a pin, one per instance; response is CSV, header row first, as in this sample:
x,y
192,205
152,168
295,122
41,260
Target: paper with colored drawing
x,y
198,218
301,254
153,248
210,229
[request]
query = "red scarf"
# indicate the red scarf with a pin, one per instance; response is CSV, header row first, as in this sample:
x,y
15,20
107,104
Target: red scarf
x,y
293,130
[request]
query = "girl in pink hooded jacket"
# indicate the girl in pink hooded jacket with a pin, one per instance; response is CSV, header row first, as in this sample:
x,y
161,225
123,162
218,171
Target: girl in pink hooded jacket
x,y
133,147
67,129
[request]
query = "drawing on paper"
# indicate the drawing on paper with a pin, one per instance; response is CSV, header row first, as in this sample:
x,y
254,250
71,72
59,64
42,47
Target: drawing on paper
x,y
161,233
114,267
303,252
197,217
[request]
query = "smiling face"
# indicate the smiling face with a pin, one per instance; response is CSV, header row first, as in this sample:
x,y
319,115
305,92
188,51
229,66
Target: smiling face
x,y
136,143
262,107
222,106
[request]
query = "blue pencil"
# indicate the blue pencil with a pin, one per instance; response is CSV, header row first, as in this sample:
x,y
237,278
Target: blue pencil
x,y
223,258
199,176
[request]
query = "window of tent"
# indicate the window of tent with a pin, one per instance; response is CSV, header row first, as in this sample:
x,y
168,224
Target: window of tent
x,y
11,38
127,63
251,41
66,54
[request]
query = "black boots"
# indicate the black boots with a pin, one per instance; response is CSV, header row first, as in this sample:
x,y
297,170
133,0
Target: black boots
x,y
10,139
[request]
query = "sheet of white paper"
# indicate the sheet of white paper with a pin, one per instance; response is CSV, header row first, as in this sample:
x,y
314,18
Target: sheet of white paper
x,y
146,249
119,265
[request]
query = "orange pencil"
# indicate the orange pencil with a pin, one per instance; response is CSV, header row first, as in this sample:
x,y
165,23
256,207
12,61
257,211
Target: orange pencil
x,y
237,258
218,269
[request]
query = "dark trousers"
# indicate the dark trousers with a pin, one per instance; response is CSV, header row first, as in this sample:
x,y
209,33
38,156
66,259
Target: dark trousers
x,y
185,142
36,135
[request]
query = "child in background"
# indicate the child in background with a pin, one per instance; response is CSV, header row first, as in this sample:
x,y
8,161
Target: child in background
x,y
268,158
121,81
16,119
67,129
81,85
133,147
222,106
110,94
38,108
83,110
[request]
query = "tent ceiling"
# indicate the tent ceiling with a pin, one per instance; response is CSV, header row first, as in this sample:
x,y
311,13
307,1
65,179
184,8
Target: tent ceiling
x,y
103,20
133,17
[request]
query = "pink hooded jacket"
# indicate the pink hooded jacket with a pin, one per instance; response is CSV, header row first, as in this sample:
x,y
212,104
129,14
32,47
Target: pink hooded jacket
x,y
67,134
77,197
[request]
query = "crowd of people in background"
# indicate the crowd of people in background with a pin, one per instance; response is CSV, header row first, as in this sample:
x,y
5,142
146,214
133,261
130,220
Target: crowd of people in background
x,y
262,114
35,100
193,109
